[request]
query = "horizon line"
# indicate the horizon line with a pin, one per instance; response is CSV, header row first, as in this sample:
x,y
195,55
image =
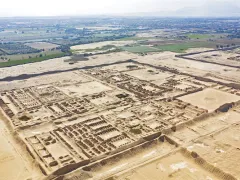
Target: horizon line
x,y
117,16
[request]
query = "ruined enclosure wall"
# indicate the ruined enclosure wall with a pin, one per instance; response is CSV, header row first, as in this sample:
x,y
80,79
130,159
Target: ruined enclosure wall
x,y
204,61
233,85
185,56
209,167
125,153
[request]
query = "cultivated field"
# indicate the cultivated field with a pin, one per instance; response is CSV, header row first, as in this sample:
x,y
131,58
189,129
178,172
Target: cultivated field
x,y
42,45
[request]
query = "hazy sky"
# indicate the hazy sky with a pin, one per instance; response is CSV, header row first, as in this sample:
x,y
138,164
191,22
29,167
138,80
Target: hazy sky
x,y
90,7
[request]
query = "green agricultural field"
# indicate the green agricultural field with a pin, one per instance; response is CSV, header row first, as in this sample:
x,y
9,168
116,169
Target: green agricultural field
x,y
31,60
32,55
181,48
134,38
200,36
139,49
104,35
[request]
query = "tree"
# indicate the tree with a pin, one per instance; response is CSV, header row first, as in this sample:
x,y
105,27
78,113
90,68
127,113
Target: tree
x,y
40,55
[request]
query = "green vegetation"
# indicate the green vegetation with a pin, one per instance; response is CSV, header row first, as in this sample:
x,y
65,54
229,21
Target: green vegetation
x,y
89,39
200,36
104,34
134,38
139,49
17,48
30,55
181,48
31,60
178,48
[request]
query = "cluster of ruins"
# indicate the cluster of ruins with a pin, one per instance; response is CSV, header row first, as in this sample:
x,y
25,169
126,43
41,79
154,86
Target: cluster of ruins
x,y
110,111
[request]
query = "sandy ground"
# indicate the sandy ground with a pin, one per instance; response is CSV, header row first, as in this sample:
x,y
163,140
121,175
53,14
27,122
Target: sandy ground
x,y
191,50
221,149
59,64
149,74
218,56
210,99
85,89
120,67
207,126
138,158
192,67
217,72
175,167
101,44
14,164
65,78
